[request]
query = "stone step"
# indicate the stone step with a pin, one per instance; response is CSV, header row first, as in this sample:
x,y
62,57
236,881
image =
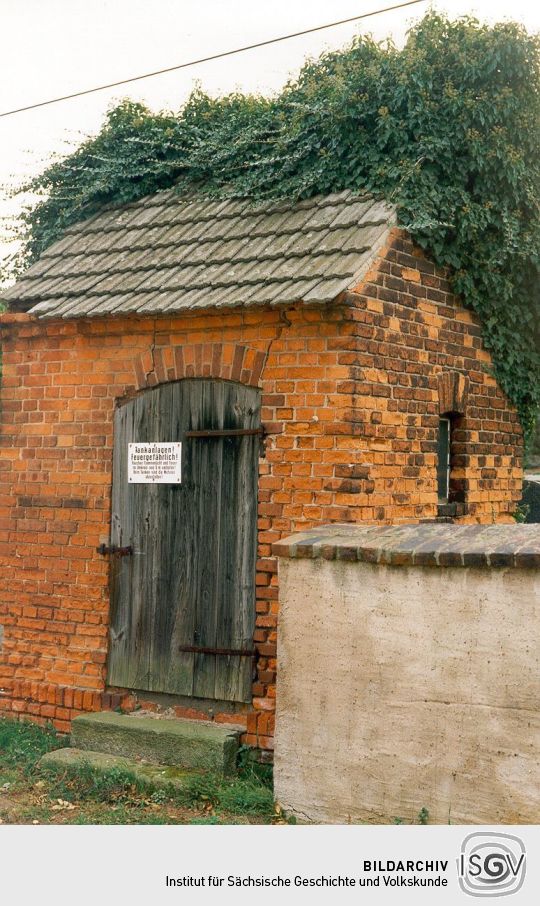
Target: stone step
x,y
152,776
195,744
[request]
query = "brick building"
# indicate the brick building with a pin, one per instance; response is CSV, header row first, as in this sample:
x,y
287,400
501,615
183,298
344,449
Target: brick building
x,y
310,351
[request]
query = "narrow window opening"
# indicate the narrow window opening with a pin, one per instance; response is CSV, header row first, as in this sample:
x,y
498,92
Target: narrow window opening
x,y
451,464
443,459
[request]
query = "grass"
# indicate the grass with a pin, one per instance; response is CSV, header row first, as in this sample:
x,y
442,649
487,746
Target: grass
x,y
30,794
22,743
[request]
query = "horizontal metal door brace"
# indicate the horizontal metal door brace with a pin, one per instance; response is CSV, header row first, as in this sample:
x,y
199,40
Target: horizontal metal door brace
x,y
227,432
230,652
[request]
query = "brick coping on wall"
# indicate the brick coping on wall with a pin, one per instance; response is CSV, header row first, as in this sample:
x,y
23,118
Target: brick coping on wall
x,y
419,545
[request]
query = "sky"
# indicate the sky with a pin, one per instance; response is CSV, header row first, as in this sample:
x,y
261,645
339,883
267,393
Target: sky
x,y
55,47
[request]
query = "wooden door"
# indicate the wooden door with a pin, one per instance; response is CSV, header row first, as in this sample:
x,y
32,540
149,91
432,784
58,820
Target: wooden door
x,y
183,602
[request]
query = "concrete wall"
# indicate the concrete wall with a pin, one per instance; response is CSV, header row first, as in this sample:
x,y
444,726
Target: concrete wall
x,y
407,687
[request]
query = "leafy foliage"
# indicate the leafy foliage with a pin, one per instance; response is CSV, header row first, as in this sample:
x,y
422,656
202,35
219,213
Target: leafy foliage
x,y
447,129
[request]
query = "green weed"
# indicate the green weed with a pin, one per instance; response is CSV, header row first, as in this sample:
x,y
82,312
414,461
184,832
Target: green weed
x,y
86,783
521,512
206,819
23,743
250,768
237,796
243,797
197,790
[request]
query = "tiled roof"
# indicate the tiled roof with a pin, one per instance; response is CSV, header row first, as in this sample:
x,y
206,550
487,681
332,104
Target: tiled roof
x,y
166,254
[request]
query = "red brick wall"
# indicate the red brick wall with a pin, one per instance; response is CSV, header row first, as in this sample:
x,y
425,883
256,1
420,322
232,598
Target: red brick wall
x,y
413,350
350,404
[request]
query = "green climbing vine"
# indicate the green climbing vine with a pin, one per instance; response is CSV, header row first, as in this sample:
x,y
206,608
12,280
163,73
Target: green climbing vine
x,y
447,128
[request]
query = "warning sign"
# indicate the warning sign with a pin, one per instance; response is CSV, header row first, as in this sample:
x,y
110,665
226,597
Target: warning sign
x,y
159,463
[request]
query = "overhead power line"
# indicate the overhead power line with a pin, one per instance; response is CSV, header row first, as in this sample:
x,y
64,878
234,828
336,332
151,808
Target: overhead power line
x,y
216,56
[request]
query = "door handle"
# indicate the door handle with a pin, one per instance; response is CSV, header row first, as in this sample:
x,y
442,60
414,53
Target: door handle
x,y
105,549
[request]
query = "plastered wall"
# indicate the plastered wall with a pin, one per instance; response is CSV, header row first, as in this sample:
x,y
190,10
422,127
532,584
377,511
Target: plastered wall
x,y
402,688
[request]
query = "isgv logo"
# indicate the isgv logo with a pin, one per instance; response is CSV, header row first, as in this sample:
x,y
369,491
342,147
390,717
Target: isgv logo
x,y
491,865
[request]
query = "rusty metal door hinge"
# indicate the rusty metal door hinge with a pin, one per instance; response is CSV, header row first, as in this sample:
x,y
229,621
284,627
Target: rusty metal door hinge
x,y
105,549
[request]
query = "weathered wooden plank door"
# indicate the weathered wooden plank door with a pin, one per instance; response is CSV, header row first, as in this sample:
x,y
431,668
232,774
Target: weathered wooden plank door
x,y
190,581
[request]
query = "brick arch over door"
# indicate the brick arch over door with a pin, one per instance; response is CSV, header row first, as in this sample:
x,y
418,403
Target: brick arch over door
x,y
228,361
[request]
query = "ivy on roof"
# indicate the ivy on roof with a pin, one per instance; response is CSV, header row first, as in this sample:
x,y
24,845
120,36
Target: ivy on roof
x,y
447,129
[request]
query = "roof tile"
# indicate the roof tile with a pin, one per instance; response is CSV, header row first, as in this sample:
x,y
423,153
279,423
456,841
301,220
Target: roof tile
x,y
168,253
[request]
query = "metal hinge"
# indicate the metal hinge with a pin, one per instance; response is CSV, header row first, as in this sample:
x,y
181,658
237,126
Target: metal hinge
x,y
105,549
